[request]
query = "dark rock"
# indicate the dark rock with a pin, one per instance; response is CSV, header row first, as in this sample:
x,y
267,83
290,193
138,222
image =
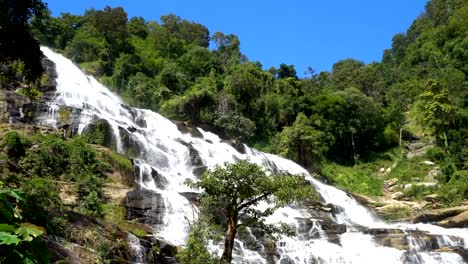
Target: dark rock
x,y
286,260
145,206
411,257
51,72
333,231
166,249
140,121
316,260
191,196
131,147
131,129
439,214
133,112
195,157
159,179
239,146
382,231
186,128
463,253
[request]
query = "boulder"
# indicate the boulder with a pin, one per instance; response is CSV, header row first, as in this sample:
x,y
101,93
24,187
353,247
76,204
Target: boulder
x,y
440,214
433,174
432,198
430,185
397,195
239,146
391,182
333,230
460,220
185,128
145,206
428,162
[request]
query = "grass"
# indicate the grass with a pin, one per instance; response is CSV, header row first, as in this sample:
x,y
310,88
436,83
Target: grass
x,y
365,177
408,169
356,179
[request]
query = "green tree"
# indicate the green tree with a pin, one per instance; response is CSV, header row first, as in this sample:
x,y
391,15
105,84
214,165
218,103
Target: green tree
x,y
16,39
87,45
286,71
237,188
439,113
302,142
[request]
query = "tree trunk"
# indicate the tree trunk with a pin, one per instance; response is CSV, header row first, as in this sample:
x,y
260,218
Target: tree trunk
x,y
226,258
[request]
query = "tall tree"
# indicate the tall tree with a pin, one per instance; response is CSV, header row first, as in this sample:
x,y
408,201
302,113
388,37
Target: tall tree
x,y
236,189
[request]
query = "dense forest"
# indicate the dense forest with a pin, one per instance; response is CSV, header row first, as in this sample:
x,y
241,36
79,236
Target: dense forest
x,y
346,116
334,123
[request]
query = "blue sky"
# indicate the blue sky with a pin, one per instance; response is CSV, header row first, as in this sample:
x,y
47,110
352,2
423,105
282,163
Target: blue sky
x,y
300,32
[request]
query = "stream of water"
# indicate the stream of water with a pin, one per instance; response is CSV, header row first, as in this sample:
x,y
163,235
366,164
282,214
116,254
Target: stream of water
x,y
163,148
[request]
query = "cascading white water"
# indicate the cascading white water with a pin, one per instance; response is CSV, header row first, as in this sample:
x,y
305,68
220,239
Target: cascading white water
x,y
169,152
136,249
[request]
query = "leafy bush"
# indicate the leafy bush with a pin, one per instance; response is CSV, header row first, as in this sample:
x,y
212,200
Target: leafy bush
x,y
49,157
456,190
15,144
19,241
196,250
31,92
41,198
235,126
90,195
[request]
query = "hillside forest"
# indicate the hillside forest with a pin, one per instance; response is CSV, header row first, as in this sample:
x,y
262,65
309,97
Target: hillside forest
x,y
347,116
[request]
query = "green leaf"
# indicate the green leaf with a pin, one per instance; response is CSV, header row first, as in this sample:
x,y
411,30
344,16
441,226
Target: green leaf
x,y
8,239
28,231
13,193
6,228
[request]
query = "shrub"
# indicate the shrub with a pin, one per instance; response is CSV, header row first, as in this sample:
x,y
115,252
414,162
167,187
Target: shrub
x,y
41,197
456,190
15,144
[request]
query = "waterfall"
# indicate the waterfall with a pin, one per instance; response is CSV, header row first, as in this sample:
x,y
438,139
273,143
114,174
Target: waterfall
x,y
166,158
136,250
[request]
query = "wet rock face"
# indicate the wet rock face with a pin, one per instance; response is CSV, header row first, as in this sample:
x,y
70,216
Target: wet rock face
x,y
159,180
239,146
158,251
131,147
145,206
198,167
185,128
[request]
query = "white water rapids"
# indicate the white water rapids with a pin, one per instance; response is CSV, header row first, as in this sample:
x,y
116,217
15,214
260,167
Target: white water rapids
x,y
164,148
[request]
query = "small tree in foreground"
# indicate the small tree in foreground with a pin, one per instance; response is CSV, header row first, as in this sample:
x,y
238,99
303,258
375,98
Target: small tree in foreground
x,y
236,189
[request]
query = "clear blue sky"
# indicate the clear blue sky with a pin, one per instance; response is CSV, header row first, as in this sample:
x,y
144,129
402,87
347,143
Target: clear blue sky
x,y
305,33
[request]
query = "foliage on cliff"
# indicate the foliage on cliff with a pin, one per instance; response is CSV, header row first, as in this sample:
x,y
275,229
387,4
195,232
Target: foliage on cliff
x,y
55,187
